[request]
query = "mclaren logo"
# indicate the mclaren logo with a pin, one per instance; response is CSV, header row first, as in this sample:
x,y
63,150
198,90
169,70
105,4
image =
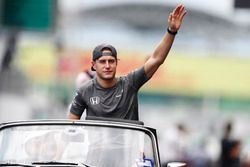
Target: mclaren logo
x,y
95,100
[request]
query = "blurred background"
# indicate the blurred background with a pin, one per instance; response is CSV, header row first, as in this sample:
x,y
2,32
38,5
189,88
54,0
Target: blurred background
x,y
203,85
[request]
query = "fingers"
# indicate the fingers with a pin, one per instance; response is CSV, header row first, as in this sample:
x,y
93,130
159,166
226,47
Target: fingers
x,y
177,15
182,15
182,12
179,11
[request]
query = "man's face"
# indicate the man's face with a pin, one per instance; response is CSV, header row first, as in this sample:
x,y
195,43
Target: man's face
x,y
105,66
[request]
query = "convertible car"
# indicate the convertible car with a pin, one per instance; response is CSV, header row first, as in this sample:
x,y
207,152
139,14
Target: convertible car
x,y
88,143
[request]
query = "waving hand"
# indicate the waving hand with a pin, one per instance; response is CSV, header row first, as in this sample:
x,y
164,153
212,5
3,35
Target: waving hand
x,y
175,18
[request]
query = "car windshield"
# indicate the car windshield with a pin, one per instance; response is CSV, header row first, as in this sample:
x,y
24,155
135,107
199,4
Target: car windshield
x,y
93,145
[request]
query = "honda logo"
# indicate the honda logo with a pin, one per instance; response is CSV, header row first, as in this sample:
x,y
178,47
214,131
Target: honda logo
x,y
95,100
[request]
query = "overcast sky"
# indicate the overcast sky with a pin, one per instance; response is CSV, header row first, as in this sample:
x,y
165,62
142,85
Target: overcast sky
x,y
224,8
218,6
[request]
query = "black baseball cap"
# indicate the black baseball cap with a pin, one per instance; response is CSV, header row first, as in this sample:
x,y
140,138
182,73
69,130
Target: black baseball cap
x,y
97,52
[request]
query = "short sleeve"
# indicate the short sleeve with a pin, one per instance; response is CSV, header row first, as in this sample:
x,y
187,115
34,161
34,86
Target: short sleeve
x,y
78,106
137,78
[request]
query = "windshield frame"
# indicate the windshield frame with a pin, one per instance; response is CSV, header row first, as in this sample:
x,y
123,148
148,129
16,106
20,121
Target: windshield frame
x,y
113,124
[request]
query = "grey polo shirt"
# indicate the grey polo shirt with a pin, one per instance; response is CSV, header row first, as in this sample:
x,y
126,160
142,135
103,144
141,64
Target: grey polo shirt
x,y
119,101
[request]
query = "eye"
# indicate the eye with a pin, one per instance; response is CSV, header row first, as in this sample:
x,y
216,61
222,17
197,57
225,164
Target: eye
x,y
111,61
102,61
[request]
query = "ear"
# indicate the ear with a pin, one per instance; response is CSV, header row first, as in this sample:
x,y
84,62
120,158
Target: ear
x,y
93,64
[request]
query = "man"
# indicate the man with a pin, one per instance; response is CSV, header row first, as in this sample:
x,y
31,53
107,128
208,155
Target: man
x,y
109,96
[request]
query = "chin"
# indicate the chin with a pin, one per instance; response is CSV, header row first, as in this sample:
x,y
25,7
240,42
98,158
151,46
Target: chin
x,y
108,77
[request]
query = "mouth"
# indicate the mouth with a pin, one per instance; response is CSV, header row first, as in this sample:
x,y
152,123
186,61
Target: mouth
x,y
107,72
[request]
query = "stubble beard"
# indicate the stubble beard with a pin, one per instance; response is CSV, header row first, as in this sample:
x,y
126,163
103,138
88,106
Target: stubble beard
x,y
108,78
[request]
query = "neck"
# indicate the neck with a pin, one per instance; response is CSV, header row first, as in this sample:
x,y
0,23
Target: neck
x,y
106,83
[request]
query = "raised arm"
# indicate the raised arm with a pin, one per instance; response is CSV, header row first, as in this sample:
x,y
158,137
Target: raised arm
x,y
160,53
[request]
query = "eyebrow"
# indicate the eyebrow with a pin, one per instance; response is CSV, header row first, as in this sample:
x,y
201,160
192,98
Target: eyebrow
x,y
107,59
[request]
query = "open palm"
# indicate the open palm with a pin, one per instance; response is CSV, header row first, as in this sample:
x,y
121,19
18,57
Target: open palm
x,y
175,18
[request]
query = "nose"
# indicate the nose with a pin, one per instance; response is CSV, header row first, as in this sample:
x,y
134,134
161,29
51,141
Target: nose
x,y
107,65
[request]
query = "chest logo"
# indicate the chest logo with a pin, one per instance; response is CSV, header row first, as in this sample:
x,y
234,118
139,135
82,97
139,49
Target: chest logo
x,y
119,95
95,100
